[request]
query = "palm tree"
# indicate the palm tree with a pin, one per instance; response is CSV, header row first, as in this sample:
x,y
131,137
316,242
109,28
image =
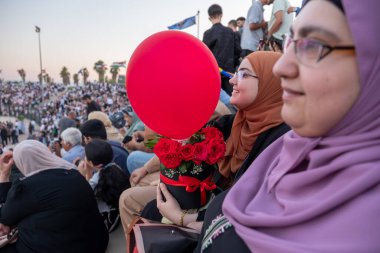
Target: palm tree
x,y
65,74
100,68
85,75
76,78
44,77
39,77
114,71
22,73
47,79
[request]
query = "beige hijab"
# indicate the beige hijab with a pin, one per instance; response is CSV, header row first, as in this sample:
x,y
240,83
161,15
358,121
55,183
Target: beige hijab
x,y
263,114
112,133
32,157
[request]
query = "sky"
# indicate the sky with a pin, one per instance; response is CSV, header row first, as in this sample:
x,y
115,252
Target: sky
x,y
77,33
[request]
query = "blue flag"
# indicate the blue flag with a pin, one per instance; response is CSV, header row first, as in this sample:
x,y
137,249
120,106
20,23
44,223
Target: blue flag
x,y
183,24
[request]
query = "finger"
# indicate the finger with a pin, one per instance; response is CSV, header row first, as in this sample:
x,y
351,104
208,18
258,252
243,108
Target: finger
x,y
159,195
11,161
6,156
165,192
136,179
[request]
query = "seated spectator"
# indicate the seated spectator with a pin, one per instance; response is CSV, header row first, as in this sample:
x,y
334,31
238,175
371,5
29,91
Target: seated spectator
x,y
72,144
144,182
140,153
106,179
133,121
257,94
256,125
315,189
53,206
95,129
112,133
67,122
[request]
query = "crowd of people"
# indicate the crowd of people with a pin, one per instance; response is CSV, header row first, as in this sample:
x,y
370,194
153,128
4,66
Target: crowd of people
x,y
301,127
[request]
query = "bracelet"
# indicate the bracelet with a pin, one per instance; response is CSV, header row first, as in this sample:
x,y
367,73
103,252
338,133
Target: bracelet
x,y
184,212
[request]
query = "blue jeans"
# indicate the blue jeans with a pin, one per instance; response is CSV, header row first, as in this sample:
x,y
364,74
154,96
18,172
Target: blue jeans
x,y
137,159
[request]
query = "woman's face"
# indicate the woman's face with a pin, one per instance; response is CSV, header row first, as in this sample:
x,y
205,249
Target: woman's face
x,y
245,89
128,119
317,94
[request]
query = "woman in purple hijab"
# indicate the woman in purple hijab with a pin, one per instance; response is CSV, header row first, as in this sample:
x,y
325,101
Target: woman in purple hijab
x,y
316,189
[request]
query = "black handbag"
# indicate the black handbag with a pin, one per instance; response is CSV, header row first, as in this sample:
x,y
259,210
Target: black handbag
x,y
150,236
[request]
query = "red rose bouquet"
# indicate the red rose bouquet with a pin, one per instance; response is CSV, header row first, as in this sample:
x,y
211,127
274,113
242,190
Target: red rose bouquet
x,y
187,166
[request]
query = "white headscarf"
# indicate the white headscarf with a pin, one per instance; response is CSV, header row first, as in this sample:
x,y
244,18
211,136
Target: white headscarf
x,y
32,157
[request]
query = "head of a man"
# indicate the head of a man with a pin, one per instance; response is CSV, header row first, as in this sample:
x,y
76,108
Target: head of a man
x,y
215,12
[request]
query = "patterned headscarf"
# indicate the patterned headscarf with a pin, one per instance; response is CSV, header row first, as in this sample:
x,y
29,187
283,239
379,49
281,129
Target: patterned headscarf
x,y
321,194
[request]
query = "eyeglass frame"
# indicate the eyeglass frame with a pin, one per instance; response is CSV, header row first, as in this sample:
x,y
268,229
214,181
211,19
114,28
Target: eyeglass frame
x,y
289,39
236,74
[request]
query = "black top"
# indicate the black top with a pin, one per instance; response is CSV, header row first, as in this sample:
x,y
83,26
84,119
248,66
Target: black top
x,y
92,106
120,155
227,240
224,124
55,211
224,45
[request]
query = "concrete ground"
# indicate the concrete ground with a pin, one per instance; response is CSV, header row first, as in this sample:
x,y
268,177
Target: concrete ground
x,y
117,243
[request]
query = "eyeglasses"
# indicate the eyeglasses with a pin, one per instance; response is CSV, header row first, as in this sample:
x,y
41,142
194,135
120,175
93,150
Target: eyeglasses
x,y
309,51
241,74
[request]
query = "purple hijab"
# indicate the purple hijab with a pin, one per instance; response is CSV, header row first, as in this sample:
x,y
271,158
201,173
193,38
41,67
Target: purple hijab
x,y
321,194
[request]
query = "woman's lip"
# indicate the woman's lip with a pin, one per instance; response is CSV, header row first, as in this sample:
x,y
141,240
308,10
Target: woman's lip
x,y
290,94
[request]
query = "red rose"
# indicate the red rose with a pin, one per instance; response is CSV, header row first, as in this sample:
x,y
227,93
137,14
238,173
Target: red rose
x,y
216,150
163,147
171,161
187,152
200,152
168,151
212,133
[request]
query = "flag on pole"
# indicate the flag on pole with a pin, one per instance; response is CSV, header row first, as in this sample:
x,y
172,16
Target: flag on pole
x,y
118,64
183,24
37,29
101,66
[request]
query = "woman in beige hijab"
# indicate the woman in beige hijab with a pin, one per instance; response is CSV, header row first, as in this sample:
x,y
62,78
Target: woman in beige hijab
x,y
53,206
112,133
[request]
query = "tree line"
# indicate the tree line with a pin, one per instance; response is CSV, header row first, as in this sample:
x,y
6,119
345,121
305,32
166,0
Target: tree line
x,y
99,67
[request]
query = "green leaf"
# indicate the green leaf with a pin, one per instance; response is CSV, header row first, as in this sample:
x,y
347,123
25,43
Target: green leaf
x,y
150,143
182,168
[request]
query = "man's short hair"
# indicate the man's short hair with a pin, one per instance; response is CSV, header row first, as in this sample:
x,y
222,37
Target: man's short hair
x,y
99,152
72,135
240,19
215,10
232,22
72,113
94,128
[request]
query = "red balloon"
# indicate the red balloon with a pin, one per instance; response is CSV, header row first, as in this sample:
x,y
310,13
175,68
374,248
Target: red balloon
x,y
173,83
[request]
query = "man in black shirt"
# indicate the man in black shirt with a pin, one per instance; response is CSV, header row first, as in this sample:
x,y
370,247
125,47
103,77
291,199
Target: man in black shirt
x,y
91,104
223,43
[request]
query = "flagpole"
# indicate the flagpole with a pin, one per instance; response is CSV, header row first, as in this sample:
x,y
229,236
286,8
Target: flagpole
x,y
38,30
198,25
